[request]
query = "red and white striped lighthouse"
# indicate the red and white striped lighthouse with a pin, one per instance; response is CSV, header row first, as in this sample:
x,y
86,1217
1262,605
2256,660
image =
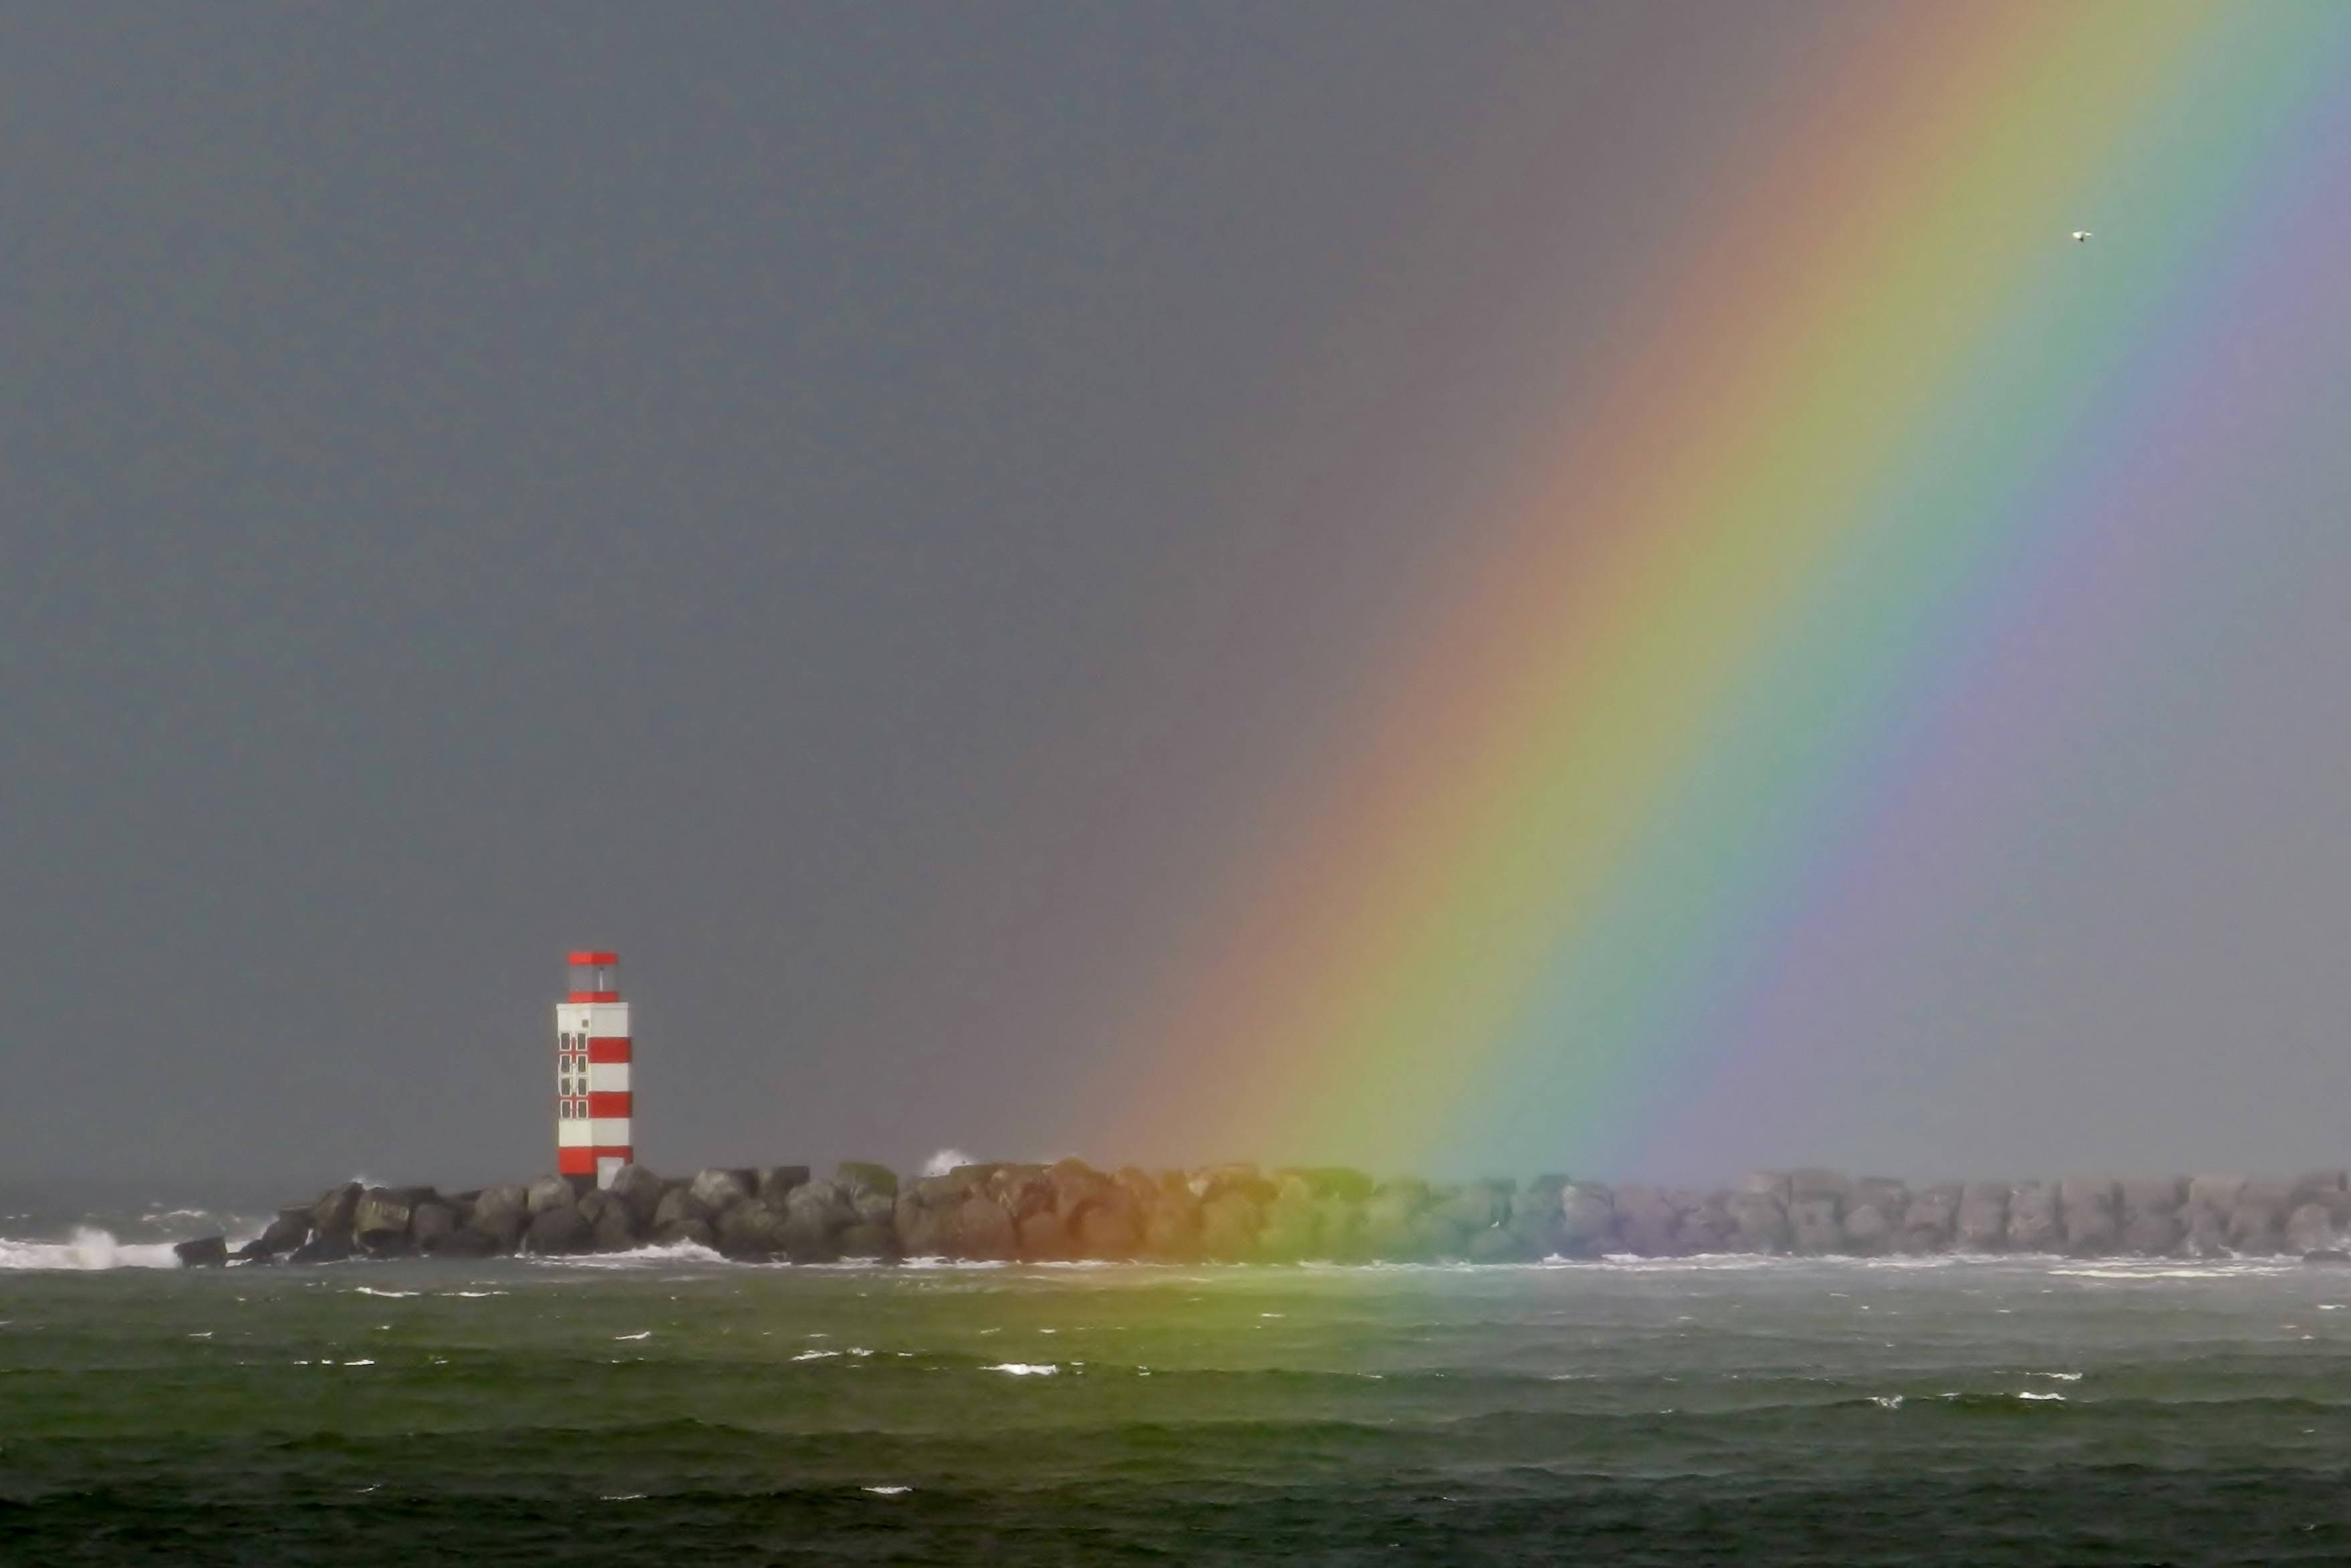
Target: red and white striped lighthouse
x,y
592,1097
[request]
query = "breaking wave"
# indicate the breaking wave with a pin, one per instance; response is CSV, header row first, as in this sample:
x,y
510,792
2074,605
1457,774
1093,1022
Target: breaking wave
x,y
86,1250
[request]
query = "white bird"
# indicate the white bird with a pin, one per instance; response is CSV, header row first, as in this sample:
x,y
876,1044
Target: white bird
x,y
2081,235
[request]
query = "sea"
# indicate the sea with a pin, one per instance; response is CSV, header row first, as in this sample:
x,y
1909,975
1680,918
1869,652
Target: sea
x,y
666,1406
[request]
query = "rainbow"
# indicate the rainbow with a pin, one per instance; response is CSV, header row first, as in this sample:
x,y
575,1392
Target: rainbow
x,y
1689,681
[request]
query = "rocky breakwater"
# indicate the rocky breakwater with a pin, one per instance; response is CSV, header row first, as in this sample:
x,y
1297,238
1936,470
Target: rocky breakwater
x,y
1238,1213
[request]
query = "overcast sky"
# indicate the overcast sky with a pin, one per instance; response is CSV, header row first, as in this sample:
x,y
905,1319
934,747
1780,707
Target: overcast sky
x,y
846,505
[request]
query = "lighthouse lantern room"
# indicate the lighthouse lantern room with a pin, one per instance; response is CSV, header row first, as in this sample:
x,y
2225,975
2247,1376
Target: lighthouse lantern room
x,y
593,1095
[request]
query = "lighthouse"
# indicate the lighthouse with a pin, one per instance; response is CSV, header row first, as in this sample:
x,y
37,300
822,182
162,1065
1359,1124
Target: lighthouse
x,y
592,1097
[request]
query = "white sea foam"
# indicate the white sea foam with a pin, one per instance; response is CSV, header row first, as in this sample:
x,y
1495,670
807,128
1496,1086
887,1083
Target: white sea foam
x,y
89,1249
945,1160
1026,1368
887,1491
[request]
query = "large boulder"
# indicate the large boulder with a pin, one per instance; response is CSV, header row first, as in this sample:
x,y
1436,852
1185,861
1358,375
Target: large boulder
x,y
1588,1221
679,1205
1815,1226
2214,1194
466,1242
2032,1221
776,1183
285,1233
615,1229
923,1230
323,1249
557,1232
2310,1229
1983,1216
1813,1183
2088,1208
550,1192
429,1226
1043,1238
638,1190
2257,1223
1759,1219
1229,1226
983,1228
380,1220
2148,1233
1930,1224
330,1216
676,1231
2150,1195
750,1230
1868,1230
859,1177
1646,1221
204,1252
815,1214
1106,1230
868,1241
719,1191
1172,1230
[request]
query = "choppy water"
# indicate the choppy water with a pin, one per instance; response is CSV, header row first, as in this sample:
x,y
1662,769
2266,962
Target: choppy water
x,y
674,1409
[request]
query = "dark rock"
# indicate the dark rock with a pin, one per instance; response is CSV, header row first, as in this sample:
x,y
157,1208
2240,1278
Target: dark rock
x,y
557,1232
615,1229
748,1229
2151,1194
1588,1221
1867,1230
253,1251
858,1178
2150,1235
331,1215
1229,1226
1816,1184
467,1242
719,1191
1172,1230
1814,1227
322,1248
1759,1220
2033,1222
430,1225
863,1240
203,1252
1646,1221
1043,1238
1497,1244
1983,1216
777,1184
678,1205
550,1192
2310,1229
380,1222
1106,1230
670,1233
1931,1222
2087,1209
981,1228
923,1230
2214,1194
638,1190
285,1233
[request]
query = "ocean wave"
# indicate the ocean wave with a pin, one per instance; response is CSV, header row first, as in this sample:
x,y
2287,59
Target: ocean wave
x,y
86,1250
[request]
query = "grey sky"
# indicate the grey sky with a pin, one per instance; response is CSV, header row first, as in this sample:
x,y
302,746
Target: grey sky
x,y
847,505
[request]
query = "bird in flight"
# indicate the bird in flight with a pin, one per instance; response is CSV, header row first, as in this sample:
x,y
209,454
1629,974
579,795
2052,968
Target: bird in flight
x,y
2081,235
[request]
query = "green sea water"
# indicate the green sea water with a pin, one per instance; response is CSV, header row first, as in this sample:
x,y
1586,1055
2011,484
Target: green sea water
x,y
674,1409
